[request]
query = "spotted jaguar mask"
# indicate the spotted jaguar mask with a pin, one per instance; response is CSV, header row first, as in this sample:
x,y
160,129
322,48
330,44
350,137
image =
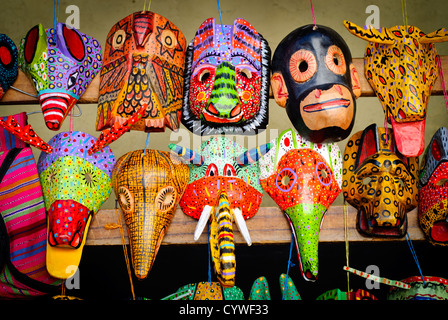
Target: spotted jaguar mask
x,y
379,182
226,80
433,190
400,65
304,179
61,62
74,185
143,66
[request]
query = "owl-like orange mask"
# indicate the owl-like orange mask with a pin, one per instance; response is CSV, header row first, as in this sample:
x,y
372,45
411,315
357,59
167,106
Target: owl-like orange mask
x,y
143,64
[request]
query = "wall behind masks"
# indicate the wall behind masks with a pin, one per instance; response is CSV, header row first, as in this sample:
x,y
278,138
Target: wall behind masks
x,y
274,19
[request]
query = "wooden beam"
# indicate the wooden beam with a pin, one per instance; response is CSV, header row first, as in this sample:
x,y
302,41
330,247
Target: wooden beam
x,y
268,226
91,94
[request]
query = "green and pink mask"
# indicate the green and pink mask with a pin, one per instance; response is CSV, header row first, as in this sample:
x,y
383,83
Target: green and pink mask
x,y
304,179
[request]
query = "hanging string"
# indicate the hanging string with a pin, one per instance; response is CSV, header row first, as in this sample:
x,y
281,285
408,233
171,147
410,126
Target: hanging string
x,y
220,17
119,226
70,127
346,242
56,13
386,131
290,263
146,144
442,80
144,6
312,13
404,12
414,255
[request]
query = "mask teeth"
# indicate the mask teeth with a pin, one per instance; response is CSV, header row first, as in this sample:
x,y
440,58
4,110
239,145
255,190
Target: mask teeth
x,y
55,107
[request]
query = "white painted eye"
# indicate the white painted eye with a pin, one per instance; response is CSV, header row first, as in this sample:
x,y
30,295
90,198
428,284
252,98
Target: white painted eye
x,y
119,39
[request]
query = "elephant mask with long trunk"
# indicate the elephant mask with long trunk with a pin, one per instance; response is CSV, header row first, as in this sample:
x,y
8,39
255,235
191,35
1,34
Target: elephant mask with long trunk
x,y
223,187
148,185
304,179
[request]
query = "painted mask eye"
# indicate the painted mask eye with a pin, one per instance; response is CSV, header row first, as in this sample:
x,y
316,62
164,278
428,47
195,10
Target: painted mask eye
x,y
169,39
245,73
286,179
212,170
119,39
72,79
229,171
125,199
204,75
302,65
166,199
335,60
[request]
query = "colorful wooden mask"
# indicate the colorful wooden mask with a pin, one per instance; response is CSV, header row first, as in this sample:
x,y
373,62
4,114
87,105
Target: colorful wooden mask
x,y
9,66
433,190
226,80
207,291
143,65
314,78
379,182
75,185
433,288
223,187
61,63
400,65
148,185
304,179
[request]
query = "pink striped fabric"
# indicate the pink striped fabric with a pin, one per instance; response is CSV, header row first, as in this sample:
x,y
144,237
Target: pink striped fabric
x,y
23,214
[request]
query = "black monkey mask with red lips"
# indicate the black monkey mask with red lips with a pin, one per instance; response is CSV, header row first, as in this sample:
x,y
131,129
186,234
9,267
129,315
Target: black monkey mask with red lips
x,y
314,78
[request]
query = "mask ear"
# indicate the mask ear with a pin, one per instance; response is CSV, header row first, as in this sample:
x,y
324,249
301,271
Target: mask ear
x,y
356,84
368,144
279,89
32,40
72,44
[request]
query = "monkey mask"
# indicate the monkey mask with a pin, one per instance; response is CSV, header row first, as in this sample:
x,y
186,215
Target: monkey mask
x,y
314,78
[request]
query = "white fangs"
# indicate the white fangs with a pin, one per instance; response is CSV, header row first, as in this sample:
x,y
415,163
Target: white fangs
x,y
237,216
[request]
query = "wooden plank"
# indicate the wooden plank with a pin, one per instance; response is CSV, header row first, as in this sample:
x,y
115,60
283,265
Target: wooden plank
x,y
268,226
91,94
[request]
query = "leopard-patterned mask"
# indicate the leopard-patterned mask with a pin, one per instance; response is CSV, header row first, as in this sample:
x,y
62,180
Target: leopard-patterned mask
x,y
379,182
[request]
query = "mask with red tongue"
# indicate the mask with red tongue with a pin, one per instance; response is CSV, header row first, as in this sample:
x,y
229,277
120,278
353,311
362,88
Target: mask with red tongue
x,y
400,65
75,185
61,62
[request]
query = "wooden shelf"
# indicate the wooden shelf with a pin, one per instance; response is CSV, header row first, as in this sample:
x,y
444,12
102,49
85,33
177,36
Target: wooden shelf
x,y
91,94
268,226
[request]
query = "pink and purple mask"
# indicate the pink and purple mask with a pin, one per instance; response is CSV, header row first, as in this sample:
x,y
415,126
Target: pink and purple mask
x,y
61,62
